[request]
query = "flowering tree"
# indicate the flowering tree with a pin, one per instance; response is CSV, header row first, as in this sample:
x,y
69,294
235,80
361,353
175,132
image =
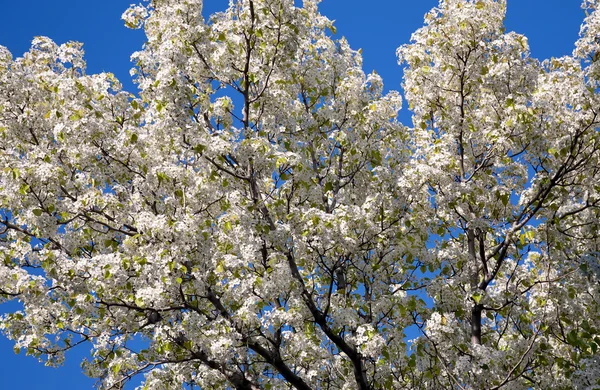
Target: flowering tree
x,y
256,217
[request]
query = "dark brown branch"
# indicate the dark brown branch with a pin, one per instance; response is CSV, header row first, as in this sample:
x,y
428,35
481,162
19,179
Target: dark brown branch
x,y
321,320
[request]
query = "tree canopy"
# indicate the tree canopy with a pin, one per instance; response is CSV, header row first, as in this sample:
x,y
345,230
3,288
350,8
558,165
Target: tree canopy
x,y
256,217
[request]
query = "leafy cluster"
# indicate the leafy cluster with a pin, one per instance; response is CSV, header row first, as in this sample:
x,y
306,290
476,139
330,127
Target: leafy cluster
x,y
257,218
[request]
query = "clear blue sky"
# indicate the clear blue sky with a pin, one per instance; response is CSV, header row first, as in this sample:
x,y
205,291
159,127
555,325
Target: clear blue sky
x,y
376,26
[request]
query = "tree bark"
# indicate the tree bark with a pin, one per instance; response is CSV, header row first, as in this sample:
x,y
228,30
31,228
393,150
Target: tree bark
x,y
476,324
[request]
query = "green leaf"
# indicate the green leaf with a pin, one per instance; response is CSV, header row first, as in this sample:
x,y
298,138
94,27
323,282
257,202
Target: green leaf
x,y
227,226
375,158
75,116
79,86
572,338
309,330
199,149
37,212
412,362
162,177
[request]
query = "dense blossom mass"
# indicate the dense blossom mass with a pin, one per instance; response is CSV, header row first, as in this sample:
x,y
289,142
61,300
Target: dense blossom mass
x,y
256,217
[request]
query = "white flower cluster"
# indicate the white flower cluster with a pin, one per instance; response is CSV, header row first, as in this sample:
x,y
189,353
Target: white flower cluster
x,y
298,236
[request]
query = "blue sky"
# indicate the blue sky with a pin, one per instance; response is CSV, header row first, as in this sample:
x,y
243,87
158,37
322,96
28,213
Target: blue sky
x,y
376,26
